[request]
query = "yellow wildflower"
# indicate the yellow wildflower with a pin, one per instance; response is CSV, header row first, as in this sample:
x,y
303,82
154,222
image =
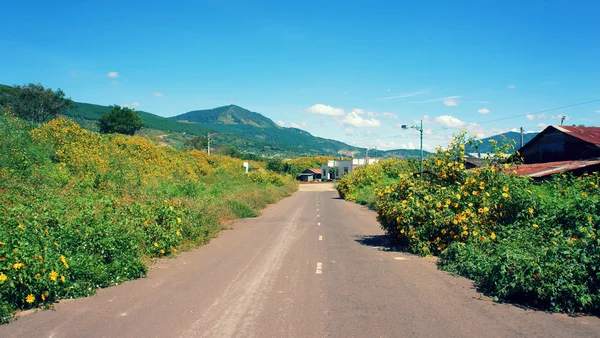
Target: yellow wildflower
x,y
64,261
530,210
63,279
53,276
535,225
2,277
155,244
505,195
178,220
493,236
44,296
30,298
505,189
17,266
21,227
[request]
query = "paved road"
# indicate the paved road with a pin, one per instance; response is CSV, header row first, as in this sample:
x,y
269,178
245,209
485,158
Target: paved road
x,y
311,266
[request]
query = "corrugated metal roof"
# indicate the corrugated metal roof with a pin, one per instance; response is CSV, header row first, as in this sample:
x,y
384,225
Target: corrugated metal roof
x,y
588,134
549,168
315,170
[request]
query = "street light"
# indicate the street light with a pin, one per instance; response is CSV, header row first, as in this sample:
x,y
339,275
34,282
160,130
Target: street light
x,y
208,137
420,129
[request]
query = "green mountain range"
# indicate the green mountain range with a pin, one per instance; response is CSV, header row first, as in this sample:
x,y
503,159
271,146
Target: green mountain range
x,y
244,130
511,137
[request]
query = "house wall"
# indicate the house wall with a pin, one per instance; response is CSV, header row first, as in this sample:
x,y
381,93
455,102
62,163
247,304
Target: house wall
x,y
555,145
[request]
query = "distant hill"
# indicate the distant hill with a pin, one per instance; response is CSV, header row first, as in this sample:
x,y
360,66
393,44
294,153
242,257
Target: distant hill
x,y
238,121
486,146
247,131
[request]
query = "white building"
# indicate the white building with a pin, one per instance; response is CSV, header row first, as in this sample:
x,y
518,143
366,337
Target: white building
x,y
343,167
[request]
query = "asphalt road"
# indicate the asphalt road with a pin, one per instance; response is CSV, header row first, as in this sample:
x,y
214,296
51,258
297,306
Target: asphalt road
x,y
311,266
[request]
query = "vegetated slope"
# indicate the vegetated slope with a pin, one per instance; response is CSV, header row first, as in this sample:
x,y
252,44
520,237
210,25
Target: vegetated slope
x,y
511,136
80,210
92,112
236,120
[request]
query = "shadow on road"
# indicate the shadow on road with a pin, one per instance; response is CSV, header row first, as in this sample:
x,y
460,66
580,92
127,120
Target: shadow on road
x,y
382,243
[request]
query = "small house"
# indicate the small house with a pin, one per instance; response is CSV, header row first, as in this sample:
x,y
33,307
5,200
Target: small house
x,y
310,175
561,143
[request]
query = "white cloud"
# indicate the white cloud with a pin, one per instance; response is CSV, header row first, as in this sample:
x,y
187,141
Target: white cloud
x,y
359,111
132,104
112,75
448,121
448,100
115,82
372,114
390,115
354,119
402,96
474,128
512,86
158,94
541,125
322,109
532,117
483,111
300,125
451,102
349,131
280,123
597,111
426,120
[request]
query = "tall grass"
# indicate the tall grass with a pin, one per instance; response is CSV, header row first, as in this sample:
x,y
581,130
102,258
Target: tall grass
x,y
79,210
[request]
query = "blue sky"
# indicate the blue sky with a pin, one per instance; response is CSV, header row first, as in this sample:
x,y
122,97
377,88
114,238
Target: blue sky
x,y
351,71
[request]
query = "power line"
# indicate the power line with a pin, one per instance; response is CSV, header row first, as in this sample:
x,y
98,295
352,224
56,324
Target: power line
x,y
490,121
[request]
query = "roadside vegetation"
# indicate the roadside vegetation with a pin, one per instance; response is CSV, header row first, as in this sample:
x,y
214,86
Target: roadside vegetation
x,y
80,210
536,244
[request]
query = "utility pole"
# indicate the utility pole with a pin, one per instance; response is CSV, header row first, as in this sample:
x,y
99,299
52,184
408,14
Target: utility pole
x,y
208,137
522,137
367,157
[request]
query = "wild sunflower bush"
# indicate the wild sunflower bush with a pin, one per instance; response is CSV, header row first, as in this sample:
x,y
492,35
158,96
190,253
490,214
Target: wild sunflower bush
x,y
537,244
80,210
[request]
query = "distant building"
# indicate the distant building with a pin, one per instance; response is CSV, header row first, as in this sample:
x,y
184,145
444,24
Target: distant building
x,y
343,167
310,175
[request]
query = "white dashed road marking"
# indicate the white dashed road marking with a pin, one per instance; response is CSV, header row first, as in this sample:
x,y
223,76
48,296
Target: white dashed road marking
x,y
400,258
319,223
319,268
320,238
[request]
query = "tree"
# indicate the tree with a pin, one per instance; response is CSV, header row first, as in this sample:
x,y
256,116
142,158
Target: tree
x,y
35,103
197,142
276,165
120,120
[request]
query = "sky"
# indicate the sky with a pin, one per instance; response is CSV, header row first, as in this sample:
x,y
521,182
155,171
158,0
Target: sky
x,y
353,71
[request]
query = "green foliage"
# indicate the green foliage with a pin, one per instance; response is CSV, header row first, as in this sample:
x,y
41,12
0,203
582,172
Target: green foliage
x,y
197,142
276,165
35,103
79,210
122,120
535,244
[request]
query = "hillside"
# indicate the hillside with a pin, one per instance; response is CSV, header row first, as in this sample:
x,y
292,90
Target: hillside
x,y
486,146
236,127
238,121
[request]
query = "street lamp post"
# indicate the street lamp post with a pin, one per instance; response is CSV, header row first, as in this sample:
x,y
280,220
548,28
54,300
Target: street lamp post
x,y
420,129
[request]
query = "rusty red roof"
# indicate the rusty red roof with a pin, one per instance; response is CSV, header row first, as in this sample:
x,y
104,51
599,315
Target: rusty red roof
x,y
588,134
315,170
549,168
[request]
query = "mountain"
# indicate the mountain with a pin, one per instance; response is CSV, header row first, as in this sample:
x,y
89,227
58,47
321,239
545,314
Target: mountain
x,y
254,127
511,136
236,127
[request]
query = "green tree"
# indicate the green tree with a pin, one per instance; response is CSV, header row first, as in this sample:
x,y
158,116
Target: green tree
x,y
120,120
197,142
276,165
35,103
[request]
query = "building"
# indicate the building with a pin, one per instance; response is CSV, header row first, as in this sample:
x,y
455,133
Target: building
x,y
559,143
343,167
559,149
310,175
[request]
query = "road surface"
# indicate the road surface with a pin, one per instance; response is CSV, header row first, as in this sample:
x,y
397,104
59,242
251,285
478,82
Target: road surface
x,y
312,265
